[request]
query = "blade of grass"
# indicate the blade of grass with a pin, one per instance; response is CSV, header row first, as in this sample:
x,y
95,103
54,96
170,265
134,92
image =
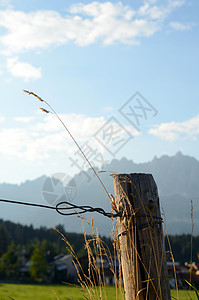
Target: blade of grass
x,y
195,290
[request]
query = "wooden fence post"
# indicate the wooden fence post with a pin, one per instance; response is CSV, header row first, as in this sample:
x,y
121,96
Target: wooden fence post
x,y
143,258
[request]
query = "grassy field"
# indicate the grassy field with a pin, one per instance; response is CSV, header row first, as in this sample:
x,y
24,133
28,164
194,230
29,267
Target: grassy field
x,y
46,292
55,292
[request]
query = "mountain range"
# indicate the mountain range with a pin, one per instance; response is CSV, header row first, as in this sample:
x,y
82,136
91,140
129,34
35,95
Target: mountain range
x,y
177,178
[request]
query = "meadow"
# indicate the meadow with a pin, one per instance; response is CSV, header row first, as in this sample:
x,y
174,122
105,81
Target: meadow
x,y
63,292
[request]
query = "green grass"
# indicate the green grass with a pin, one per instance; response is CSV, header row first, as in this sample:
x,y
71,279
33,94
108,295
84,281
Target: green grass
x,y
45,292
184,295
38,292
61,292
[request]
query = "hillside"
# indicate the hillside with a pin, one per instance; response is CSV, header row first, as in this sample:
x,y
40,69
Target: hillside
x,y
26,237
176,178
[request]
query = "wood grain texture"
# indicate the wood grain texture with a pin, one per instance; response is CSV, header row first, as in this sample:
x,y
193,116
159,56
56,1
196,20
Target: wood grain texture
x,y
141,237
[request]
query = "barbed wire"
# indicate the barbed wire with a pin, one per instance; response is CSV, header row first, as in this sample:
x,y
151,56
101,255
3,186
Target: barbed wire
x,y
63,208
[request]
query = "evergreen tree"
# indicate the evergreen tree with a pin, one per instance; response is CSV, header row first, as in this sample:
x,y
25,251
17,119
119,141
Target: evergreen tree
x,y
49,250
3,240
9,264
39,265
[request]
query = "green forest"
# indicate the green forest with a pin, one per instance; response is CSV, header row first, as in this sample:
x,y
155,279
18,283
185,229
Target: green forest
x,y
22,243
39,246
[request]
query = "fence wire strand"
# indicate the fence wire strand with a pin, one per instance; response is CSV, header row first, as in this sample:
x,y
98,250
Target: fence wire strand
x,y
65,208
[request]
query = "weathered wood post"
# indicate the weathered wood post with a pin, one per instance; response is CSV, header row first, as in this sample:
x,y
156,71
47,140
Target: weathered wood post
x,y
141,240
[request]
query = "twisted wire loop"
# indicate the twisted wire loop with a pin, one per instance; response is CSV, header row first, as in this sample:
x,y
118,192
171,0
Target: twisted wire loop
x,y
64,208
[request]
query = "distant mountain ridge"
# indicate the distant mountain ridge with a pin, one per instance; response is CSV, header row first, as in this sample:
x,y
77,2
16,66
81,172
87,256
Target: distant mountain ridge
x,y
177,178
168,171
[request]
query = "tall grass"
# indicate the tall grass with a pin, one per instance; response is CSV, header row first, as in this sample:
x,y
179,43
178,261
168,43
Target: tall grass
x,y
125,240
93,281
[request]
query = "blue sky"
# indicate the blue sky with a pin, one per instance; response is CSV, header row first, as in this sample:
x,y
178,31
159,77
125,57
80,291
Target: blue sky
x,y
87,59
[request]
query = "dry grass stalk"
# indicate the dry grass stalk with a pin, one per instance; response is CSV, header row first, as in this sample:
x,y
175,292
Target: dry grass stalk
x,y
94,284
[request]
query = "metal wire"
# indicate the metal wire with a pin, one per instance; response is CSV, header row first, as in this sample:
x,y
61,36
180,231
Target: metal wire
x,y
64,208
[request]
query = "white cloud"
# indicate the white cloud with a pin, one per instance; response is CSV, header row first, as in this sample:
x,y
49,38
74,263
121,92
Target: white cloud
x,y
24,119
2,119
176,3
6,3
173,130
83,24
155,12
181,27
39,140
22,69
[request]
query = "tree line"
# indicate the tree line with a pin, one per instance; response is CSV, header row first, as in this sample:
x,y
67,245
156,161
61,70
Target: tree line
x,y
40,245
181,247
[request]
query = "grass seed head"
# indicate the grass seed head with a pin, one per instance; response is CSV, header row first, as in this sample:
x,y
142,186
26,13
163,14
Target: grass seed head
x,y
44,110
31,93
